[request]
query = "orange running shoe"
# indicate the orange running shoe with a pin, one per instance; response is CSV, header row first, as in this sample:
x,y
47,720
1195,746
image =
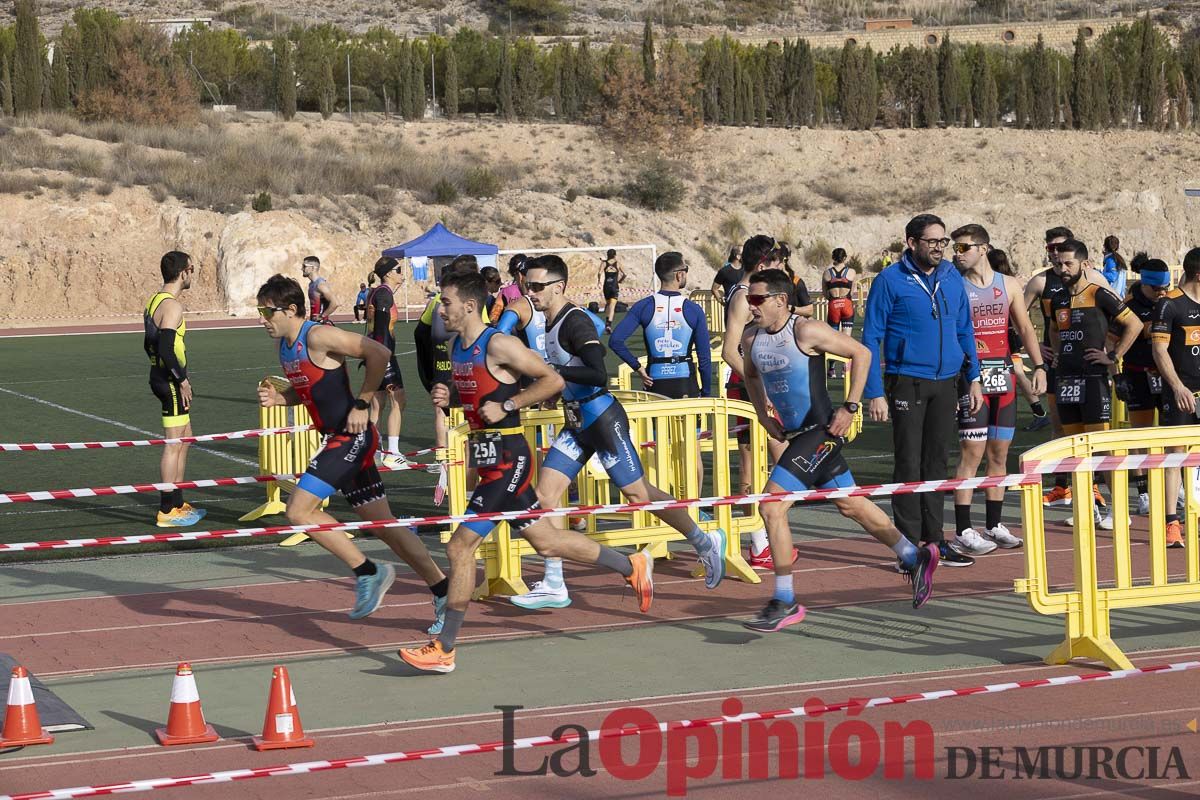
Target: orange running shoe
x,y
642,579
430,658
1174,534
1058,496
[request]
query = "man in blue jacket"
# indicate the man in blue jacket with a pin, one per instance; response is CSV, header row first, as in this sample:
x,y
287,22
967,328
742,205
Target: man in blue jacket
x,y
918,328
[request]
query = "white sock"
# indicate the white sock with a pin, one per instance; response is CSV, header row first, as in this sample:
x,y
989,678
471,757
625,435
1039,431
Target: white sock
x,y
758,541
554,574
783,588
393,445
906,550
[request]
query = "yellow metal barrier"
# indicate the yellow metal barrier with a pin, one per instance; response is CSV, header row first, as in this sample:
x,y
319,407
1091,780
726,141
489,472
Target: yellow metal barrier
x,y
283,454
1096,590
714,311
673,426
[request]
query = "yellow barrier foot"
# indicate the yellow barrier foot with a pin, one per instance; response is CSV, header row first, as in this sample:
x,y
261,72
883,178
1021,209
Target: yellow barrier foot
x,y
500,587
1103,650
659,550
301,538
267,509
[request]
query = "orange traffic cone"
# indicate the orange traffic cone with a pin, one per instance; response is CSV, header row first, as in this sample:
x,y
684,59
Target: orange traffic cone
x,y
21,723
282,728
185,720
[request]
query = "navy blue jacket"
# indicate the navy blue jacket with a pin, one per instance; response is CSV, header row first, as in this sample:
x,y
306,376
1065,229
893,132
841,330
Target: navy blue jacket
x,y
920,324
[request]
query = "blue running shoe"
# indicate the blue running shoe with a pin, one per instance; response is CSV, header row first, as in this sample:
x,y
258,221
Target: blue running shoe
x,y
714,559
705,516
439,616
370,589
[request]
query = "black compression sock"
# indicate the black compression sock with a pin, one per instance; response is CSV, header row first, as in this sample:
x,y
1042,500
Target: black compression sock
x,y
365,568
1141,482
440,588
962,517
164,502
1037,408
994,509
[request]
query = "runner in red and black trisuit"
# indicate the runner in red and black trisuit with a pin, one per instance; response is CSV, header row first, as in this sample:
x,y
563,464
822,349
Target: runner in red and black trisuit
x,y
313,357
1176,343
487,367
1139,384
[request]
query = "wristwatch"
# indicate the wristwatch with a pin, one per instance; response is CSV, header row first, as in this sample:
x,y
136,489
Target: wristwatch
x,y
1112,356
361,405
509,405
1039,366
851,406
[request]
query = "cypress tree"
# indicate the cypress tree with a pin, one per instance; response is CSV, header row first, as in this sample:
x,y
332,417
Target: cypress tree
x,y
807,104
403,79
570,88
1158,115
27,60
326,89
1190,59
450,84
849,83
710,79
587,86
747,118
728,82
1145,91
1082,96
948,79
1119,98
759,84
285,78
47,100
416,85
505,105
60,83
6,93
527,79
989,113
649,68
1097,85
927,89
1041,86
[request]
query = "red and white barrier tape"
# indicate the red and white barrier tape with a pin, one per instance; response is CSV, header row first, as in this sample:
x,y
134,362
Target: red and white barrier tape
x,y
612,508
208,437
527,743
1107,463
137,488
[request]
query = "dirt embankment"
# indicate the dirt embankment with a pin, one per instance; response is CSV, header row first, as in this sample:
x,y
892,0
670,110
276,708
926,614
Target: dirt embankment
x,y
93,253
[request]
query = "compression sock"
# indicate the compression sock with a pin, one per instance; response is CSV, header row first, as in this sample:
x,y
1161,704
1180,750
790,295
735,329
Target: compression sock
x,y
554,574
1037,408
365,568
994,510
164,502
962,517
440,588
617,562
454,621
906,550
698,539
758,541
1142,484
783,589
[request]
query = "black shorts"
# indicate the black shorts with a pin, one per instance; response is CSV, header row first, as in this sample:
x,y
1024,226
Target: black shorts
x,y
1169,414
676,388
611,292
813,460
1093,408
995,419
506,487
1141,397
737,391
174,415
392,377
608,438
346,464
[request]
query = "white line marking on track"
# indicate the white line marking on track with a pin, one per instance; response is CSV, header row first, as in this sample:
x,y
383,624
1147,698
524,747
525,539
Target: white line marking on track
x,y
117,424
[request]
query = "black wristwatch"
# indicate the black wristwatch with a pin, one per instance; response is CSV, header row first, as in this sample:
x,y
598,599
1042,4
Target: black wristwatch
x,y
1039,366
851,407
1112,356
361,405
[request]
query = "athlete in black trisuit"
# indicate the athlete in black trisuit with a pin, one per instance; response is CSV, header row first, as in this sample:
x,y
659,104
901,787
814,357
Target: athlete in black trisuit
x,y
611,276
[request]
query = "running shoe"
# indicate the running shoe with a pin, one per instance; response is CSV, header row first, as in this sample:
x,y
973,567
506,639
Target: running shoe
x,y
199,512
542,595
642,578
705,516
1058,496
764,561
1143,508
1003,537
430,658
949,557
1099,498
920,574
775,616
577,523
439,616
1106,522
370,589
713,559
1174,534
396,461
177,518
1038,423
970,543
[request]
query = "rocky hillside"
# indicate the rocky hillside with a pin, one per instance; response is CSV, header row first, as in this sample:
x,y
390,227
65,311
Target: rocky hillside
x,y
87,216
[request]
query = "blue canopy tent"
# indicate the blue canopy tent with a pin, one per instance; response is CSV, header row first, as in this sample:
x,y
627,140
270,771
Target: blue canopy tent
x,y
439,246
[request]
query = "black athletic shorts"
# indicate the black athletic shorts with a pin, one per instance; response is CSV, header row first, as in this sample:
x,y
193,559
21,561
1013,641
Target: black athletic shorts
x,y
508,486
346,463
392,377
676,388
813,460
611,292
1142,396
1088,399
174,415
1169,414
737,391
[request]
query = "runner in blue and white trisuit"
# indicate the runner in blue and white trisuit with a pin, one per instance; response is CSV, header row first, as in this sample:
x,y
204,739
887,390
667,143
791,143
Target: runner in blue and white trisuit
x,y
596,423
785,369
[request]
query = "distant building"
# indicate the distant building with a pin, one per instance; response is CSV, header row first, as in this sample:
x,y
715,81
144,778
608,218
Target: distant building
x,y
174,27
896,24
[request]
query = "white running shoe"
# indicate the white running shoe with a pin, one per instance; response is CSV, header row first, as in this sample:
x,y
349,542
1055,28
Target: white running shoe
x,y
1003,537
541,595
395,461
1106,523
1143,508
970,543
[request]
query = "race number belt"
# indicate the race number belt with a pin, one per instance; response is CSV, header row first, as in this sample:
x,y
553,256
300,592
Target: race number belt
x,y
1071,391
1155,381
485,447
996,375
573,410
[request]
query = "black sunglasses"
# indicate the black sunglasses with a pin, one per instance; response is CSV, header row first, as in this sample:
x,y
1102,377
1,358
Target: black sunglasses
x,y
537,286
267,312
